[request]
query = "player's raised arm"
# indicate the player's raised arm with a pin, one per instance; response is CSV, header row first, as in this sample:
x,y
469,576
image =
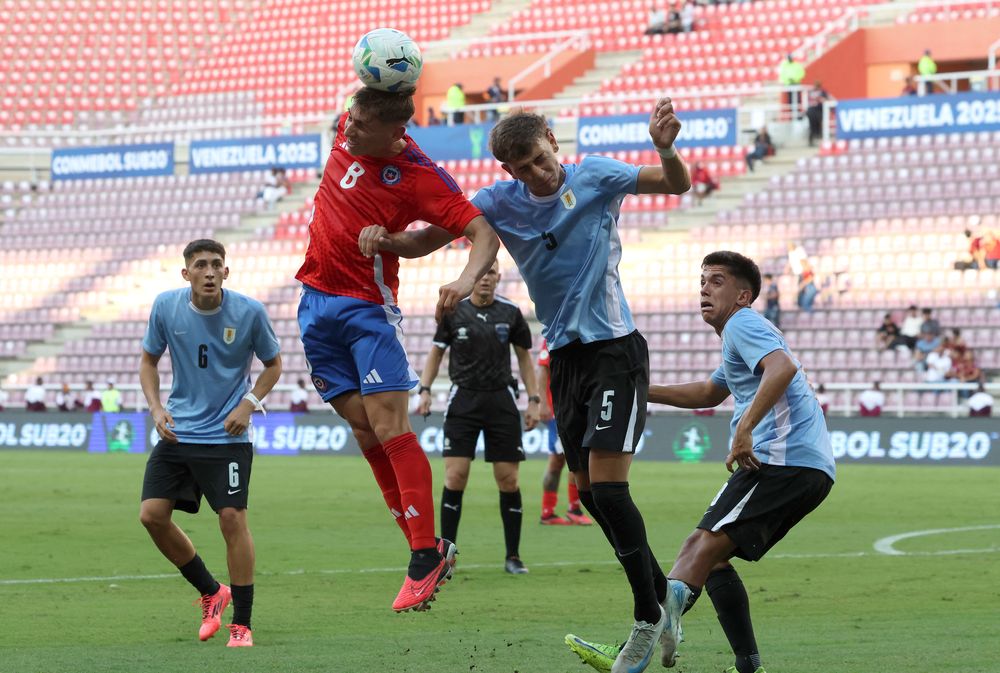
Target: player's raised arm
x,y
483,253
672,175
410,244
694,395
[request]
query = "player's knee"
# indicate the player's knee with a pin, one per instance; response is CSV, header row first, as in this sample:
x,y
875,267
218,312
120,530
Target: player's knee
x,y
232,521
508,483
152,519
456,480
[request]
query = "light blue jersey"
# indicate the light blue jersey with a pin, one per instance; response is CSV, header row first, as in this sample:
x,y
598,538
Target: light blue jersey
x,y
210,353
567,249
794,431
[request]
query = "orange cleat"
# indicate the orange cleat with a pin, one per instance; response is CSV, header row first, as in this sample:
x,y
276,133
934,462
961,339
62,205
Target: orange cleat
x,y
554,520
239,636
578,518
212,608
417,594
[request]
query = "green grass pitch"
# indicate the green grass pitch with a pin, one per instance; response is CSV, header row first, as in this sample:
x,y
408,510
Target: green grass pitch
x,y
330,561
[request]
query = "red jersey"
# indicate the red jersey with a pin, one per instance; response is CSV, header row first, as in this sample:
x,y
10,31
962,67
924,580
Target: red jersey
x,y
356,192
545,361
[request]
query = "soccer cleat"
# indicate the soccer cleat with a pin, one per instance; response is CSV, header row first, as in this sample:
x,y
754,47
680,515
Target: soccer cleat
x,y
212,608
597,656
239,636
732,669
417,594
554,520
578,518
638,649
448,550
515,566
673,605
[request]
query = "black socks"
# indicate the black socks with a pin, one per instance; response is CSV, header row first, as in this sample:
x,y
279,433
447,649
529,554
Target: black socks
x,y
195,572
729,596
242,604
511,513
451,512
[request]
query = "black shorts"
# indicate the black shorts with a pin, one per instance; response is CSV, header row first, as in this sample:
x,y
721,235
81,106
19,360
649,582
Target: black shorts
x,y
492,412
599,393
758,508
183,472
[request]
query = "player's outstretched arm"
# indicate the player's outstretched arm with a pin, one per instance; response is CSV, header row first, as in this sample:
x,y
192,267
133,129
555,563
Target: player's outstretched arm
x,y
527,369
409,244
238,420
672,175
431,368
149,379
779,370
485,245
694,395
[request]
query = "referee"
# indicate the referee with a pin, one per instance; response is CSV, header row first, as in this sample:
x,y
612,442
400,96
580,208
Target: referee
x,y
483,399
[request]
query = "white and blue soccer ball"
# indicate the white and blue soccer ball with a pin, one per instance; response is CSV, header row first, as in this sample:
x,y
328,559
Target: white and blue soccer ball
x,y
388,60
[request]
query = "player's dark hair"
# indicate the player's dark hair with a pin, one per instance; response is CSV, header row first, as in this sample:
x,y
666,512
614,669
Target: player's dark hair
x,y
741,267
514,137
203,245
388,107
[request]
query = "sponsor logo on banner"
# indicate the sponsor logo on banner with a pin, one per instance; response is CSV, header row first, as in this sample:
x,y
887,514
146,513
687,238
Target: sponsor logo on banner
x,y
911,115
112,161
908,446
248,154
691,443
701,128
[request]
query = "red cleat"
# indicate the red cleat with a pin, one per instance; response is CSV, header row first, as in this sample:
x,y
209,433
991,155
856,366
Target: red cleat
x,y
239,636
417,594
578,518
212,608
554,520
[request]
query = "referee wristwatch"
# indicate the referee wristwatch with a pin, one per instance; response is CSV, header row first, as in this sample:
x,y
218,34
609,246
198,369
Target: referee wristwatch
x,y
423,389
535,398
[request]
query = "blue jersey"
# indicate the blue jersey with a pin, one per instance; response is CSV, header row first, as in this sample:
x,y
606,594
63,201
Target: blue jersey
x,y
210,353
567,249
794,431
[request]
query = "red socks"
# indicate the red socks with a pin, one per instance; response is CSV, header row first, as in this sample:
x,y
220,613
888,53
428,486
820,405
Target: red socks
x,y
414,479
386,480
549,500
574,496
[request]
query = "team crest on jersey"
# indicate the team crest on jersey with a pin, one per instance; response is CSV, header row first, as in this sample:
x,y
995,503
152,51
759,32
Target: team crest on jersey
x,y
391,175
568,199
319,383
503,331
463,333
229,334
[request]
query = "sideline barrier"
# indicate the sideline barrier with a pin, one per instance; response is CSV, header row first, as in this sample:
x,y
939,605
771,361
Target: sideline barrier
x,y
923,441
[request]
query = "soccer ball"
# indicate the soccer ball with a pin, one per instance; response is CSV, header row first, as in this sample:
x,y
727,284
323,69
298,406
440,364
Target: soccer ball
x,y
388,60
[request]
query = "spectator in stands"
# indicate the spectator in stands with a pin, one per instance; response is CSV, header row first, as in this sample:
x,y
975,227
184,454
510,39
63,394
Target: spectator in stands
x,y
909,87
300,397
674,24
887,336
937,364
432,117
687,16
494,94
790,74
814,111
977,251
981,402
3,399
276,187
772,309
762,147
965,370
34,396
111,398
911,326
930,323
926,66
67,400
455,98
957,345
808,287
991,246
91,398
926,344
702,182
871,401
823,398
657,22
796,253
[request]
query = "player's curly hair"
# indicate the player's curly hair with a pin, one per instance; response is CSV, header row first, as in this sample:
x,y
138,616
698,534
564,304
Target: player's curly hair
x,y
203,245
388,107
740,266
514,136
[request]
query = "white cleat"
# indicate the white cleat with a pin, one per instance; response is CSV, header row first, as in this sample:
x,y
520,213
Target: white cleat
x,y
673,606
638,649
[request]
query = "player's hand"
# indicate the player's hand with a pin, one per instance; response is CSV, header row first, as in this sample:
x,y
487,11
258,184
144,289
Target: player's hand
x,y
424,407
531,416
741,454
449,295
238,420
373,238
164,421
545,412
664,124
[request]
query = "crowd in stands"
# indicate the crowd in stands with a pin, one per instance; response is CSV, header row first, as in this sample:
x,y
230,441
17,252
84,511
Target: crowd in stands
x,y
67,399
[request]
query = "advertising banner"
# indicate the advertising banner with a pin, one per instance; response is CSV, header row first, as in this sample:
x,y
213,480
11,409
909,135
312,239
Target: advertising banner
x,y
450,143
913,115
112,161
251,154
699,128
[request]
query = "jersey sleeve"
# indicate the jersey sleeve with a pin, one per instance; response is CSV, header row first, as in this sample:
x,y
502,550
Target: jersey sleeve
x,y
718,377
520,333
155,340
483,200
750,343
265,342
613,176
442,203
442,335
